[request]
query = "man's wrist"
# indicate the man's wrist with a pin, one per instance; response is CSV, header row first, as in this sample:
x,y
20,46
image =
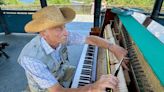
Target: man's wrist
x,y
110,46
91,88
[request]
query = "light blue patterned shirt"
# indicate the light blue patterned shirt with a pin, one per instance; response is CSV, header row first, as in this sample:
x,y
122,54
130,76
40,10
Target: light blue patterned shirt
x,y
38,70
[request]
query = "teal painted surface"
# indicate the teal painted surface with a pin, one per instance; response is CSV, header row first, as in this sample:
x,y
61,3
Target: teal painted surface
x,y
16,22
151,48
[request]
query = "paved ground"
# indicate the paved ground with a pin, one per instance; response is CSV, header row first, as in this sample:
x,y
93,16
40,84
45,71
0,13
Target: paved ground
x,y
12,77
84,18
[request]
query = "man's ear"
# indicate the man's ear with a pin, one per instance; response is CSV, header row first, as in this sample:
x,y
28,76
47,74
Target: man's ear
x,y
43,34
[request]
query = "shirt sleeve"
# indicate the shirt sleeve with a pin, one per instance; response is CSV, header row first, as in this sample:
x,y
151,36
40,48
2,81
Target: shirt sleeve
x,y
75,38
39,72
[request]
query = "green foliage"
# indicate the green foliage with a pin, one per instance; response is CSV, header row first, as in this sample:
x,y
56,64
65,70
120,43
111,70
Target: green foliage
x,y
11,2
58,1
17,2
85,1
110,2
1,2
131,2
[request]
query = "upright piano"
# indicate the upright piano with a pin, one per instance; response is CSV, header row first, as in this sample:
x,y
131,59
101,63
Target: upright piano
x,y
144,40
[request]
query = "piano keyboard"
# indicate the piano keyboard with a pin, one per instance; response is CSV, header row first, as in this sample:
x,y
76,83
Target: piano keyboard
x,y
86,69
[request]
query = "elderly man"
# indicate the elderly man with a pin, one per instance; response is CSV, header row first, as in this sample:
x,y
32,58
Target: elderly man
x,y
45,58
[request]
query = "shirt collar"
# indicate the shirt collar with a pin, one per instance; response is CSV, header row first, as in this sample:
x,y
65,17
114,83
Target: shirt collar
x,y
48,49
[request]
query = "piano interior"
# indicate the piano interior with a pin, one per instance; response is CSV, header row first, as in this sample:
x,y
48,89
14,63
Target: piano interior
x,y
134,33
140,34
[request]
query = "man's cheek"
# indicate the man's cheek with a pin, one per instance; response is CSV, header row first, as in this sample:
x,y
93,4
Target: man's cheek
x,y
63,40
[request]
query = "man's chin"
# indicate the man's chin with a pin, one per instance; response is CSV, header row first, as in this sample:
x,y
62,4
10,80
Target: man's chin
x,y
62,42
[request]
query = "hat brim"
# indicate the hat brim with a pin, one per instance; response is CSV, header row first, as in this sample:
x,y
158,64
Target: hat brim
x,y
43,23
68,13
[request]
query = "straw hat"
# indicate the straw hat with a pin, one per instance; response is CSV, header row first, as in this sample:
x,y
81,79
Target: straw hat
x,y
49,17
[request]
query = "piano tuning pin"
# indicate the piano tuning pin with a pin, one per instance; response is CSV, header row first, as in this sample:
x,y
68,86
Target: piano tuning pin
x,y
142,89
132,54
134,57
131,51
141,71
135,60
141,75
126,40
128,48
149,90
137,66
147,86
140,79
129,44
139,82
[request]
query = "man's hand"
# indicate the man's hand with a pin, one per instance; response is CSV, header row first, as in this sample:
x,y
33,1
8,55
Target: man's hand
x,y
120,53
125,63
105,81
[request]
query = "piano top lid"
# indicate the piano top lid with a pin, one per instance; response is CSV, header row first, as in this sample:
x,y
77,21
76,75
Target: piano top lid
x,y
152,26
150,47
